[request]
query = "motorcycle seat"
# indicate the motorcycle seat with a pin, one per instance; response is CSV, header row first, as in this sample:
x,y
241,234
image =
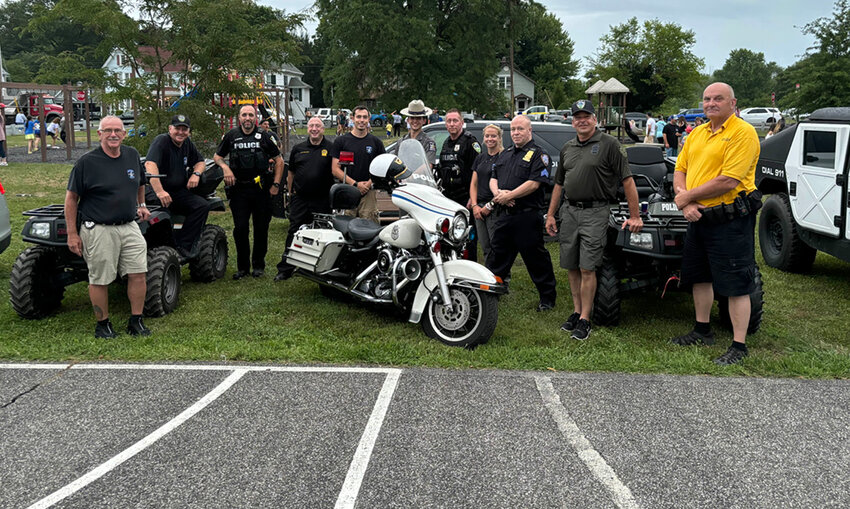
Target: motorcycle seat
x,y
341,224
362,230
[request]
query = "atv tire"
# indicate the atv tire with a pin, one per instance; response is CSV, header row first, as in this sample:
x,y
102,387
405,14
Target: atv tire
x,y
163,281
33,290
378,122
756,307
779,237
211,262
606,303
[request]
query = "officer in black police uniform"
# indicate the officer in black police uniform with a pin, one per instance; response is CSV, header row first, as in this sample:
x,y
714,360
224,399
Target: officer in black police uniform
x,y
517,182
456,159
309,182
248,176
173,154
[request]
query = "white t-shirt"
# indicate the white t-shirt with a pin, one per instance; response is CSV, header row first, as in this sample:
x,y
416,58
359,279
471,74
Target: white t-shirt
x,y
53,128
650,127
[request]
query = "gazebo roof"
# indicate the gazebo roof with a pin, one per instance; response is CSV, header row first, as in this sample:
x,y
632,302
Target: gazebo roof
x,y
613,86
594,89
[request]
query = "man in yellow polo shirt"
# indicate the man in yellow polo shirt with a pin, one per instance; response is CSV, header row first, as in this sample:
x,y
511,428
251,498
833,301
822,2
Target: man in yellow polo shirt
x,y
715,189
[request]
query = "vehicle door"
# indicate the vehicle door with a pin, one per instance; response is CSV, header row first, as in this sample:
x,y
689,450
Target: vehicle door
x,y
817,173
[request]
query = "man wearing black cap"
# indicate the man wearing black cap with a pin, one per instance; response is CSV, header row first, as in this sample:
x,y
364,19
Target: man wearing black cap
x,y
593,166
175,156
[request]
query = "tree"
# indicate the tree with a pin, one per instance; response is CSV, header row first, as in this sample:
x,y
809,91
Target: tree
x,y
313,56
544,53
654,60
222,46
750,76
426,49
55,51
824,73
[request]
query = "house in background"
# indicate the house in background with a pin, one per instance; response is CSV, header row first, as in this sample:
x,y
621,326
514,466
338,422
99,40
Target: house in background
x,y
118,64
288,75
523,86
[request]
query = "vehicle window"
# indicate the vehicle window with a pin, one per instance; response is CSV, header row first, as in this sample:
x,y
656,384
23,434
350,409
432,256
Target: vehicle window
x,y
439,138
819,149
759,110
554,140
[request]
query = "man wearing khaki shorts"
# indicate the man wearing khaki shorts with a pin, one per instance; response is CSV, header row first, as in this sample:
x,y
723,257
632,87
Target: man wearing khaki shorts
x,y
107,189
591,169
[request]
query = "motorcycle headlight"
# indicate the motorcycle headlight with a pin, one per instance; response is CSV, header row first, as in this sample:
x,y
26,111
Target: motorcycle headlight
x,y
40,230
641,240
459,224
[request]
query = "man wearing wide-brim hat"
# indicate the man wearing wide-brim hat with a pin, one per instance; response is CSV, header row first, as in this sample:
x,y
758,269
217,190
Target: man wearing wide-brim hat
x,y
417,116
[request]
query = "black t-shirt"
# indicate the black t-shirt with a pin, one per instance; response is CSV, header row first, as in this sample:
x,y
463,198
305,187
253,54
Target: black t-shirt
x,y
670,130
515,166
460,152
174,162
249,153
365,149
108,187
483,166
311,166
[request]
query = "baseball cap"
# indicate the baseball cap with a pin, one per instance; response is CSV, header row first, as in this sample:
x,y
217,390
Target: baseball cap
x,y
583,105
180,120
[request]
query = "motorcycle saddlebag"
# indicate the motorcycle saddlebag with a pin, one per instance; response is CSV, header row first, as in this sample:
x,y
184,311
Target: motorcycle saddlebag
x,y
315,250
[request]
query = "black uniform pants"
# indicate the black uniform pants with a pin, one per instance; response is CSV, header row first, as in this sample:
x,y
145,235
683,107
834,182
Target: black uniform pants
x,y
248,200
522,233
196,209
301,212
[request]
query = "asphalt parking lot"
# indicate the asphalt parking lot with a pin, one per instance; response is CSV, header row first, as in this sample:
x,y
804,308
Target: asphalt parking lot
x,y
107,435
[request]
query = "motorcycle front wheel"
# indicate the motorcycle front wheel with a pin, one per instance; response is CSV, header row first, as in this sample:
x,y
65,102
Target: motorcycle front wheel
x,y
470,321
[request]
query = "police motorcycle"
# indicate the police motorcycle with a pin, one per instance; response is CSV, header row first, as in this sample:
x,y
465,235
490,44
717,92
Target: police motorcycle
x,y
414,264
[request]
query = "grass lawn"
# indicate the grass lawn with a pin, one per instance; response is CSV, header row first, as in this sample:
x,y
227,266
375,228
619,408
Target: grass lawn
x,y
804,333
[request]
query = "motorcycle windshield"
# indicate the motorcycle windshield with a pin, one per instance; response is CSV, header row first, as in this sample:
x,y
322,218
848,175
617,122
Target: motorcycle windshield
x,y
413,156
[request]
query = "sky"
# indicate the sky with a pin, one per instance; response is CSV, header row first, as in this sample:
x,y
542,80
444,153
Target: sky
x,y
770,27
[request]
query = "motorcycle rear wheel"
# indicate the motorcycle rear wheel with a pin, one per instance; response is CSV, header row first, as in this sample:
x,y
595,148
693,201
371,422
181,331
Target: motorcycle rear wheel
x,y
470,322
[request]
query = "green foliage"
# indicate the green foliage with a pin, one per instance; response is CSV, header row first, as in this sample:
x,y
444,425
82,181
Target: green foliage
x,y
50,48
750,76
824,73
654,60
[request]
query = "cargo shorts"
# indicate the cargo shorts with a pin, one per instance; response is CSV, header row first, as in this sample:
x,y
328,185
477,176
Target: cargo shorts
x,y
583,235
110,250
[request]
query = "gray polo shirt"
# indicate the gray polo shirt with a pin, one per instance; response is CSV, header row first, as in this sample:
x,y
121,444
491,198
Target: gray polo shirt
x,y
593,169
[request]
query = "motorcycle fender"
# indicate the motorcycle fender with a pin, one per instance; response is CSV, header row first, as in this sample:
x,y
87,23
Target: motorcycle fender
x,y
455,270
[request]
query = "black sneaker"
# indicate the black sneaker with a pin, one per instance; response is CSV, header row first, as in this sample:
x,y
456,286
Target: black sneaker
x,y
582,330
732,356
694,338
135,327
258,273
571,322
282,276
105,331
240,274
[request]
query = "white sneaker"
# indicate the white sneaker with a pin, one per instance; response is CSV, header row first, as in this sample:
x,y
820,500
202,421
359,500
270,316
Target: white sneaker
x,y
4,163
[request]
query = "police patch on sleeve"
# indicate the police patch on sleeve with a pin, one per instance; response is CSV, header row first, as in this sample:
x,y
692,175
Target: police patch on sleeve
x,y
545,159
476,146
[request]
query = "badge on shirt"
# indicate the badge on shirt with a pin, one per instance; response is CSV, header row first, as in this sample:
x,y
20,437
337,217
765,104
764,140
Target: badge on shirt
x,y
324,152
258,136
528,155
131,173
545,159
185,160
477,147
594,149
369,149
457,148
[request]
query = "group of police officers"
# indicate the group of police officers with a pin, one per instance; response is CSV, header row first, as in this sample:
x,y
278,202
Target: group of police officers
x,y
592,168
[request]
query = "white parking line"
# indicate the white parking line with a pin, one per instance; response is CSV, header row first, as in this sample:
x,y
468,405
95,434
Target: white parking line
x,y
594,461
104,468
351,487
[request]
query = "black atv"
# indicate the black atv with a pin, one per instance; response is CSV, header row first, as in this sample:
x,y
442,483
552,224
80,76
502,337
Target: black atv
x,y
41,272
651,261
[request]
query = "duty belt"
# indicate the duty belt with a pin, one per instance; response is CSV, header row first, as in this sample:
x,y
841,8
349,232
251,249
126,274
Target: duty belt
x,y
511,211
592,204
744,205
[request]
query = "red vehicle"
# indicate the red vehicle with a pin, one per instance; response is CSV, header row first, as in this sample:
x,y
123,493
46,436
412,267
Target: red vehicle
x,y
28,103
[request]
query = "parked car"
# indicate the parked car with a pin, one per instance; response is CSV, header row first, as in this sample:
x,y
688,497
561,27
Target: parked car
x,y
536,112
692,114
5,222
561,116
761,117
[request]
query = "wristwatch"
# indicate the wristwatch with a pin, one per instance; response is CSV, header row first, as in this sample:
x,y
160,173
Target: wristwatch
x,y
196,173
142,206
276,184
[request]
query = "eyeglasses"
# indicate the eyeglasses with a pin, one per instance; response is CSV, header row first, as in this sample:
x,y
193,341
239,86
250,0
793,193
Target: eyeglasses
x,y
111,131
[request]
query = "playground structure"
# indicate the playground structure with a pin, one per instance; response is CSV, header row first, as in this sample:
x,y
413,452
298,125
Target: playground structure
x,y
609,99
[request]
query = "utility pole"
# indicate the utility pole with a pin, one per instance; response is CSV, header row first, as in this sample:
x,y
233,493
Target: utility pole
x,y
511,35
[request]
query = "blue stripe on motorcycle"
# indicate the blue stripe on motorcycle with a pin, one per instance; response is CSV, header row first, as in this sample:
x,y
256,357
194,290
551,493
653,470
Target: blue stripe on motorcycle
x,y
422,206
